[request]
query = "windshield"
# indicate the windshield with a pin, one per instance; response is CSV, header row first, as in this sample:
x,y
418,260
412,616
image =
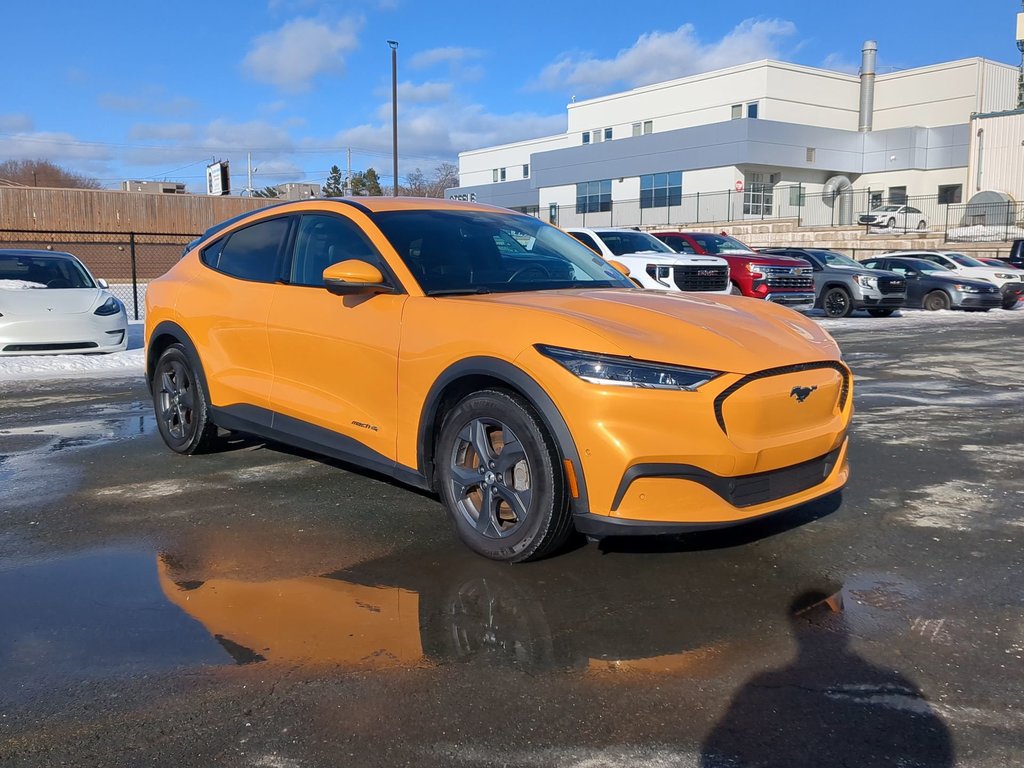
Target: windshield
x,y
835,259
889,208
44,271
964,260
719,243
453,251
623,242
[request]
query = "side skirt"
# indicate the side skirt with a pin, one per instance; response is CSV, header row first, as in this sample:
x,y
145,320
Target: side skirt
x,y
310,437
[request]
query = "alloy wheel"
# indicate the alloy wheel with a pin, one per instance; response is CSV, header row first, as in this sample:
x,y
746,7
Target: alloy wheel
x,y
177,400
491,478
836,304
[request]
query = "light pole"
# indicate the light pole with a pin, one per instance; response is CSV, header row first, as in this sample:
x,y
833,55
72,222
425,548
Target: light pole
x,y
394,116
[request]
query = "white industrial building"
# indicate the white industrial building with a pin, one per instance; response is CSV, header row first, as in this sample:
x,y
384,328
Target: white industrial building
x,y
751,141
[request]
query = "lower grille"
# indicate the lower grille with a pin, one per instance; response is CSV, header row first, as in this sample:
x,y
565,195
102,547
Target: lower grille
x,y
698,278
50,347
749,490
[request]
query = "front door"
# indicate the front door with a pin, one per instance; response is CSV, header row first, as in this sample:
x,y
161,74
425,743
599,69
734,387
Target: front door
x,y
335,357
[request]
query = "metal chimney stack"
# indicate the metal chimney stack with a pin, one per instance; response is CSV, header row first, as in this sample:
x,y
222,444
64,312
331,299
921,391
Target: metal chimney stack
x,y
867,85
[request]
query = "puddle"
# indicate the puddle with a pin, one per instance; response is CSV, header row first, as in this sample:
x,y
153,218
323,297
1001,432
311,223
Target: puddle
x,y
95,615
26,474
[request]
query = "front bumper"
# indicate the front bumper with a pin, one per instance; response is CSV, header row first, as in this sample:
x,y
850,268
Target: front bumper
x,y
82,333
978,301
802,301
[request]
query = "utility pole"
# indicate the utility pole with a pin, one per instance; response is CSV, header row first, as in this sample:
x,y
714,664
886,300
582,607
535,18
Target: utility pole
x,y
248,163
348,172
1020,47
394,116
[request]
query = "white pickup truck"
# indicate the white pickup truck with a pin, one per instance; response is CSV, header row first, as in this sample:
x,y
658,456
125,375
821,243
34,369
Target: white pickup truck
x,y
652,264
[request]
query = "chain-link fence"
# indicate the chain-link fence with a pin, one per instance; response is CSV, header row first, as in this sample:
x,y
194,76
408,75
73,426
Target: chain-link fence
x,y
985,222
127,261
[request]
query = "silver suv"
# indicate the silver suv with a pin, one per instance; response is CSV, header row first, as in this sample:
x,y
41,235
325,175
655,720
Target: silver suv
x,y
842,285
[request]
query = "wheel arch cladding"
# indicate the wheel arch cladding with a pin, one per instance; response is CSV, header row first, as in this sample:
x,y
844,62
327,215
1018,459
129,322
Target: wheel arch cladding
x,y
163,336
479,373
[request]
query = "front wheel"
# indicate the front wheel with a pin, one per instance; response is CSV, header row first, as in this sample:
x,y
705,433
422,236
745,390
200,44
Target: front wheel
x,y
500,478
936,300
836,302
880,311
735,290
922,225
182,411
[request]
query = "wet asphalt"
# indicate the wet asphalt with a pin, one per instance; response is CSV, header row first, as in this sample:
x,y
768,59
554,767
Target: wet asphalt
x,y
263,607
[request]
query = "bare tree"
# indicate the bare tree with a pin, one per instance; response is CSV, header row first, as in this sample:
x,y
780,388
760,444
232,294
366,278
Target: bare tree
x,y
43,173
418,184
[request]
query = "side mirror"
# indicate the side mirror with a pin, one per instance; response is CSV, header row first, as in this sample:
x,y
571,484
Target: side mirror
x,y
102,283
619,266
354,276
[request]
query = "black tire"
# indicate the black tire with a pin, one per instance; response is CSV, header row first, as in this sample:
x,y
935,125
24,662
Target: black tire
x,y
180,402
922,225
880,311
936,300
836,302
734,290
1010,301
521,490
891,224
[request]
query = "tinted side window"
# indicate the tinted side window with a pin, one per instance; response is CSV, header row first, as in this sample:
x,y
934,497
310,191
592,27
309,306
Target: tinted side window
x,y
681,245
325,240
250,253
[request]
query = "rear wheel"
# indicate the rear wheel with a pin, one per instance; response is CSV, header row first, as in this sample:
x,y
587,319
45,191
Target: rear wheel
x,y
500,478
891,224
836,303
936,300
880,311
182,410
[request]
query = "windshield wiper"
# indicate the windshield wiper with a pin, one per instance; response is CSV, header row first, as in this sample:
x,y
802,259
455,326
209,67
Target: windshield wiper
x,y
460,291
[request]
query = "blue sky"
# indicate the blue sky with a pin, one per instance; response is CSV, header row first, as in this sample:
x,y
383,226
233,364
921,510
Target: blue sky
x,y
157,90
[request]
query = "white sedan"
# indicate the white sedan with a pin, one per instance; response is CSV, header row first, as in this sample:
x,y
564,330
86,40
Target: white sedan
x,y
897,218
51,304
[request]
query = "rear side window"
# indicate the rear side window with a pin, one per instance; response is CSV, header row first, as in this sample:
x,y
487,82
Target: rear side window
x,y
250,253
326,240
587,240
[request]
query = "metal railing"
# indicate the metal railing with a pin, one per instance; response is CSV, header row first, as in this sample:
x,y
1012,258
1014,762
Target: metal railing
x,y
985,222
126,260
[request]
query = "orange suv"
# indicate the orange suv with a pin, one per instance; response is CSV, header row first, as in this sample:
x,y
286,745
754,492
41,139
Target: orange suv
x,y
493,359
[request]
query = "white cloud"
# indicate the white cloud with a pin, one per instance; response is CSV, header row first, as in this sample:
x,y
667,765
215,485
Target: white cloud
x,y
658,56
447,55
421,93
58,147
15,123
838,62
290,57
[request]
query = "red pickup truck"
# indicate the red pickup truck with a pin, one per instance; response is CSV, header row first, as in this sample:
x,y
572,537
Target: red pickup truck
x,y
781,279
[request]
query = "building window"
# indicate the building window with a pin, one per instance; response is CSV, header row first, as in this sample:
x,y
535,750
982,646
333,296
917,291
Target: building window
x,y
526,170
797,196
594,196
586,137
752,110
811,154
607,134
897,195
637,128
658,190
874,200
553,213
951,193
758,195
494,175
737,111
502,174
648,126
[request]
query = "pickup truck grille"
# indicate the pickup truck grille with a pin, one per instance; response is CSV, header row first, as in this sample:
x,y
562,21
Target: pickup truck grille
x,y
789,278
892,284
701,278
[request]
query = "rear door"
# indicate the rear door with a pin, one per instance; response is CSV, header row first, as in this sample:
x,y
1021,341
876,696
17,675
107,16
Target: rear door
x,y
335,357
227,311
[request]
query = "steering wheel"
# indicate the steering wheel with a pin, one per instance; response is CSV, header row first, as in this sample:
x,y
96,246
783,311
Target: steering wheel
x,y
532,267
58,282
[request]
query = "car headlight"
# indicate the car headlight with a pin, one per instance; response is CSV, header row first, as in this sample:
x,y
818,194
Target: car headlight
x,y
867,281
615,371
967,288
1003,276
109,307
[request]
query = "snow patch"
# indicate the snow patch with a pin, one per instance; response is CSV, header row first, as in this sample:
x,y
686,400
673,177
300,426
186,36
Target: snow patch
x,y
19,285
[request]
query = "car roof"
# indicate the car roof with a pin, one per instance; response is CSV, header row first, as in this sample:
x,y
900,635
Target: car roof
x,y
35,252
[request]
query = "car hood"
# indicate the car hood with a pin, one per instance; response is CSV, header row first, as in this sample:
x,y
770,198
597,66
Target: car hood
x,y
671,259
725,333
50,301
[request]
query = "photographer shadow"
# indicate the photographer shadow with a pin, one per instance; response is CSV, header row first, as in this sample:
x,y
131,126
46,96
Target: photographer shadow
x,y
829,707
